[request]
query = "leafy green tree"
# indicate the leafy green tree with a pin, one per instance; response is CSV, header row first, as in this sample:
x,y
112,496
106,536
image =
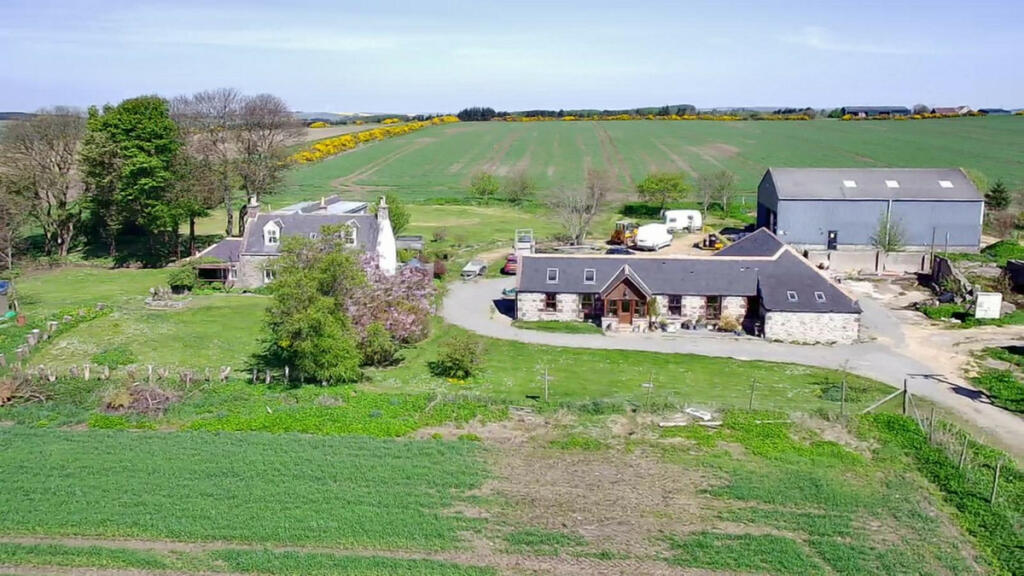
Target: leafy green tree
x,y
399,213
378,347
308,328
517,188
484,186
888,235
128,156
662,187
998,197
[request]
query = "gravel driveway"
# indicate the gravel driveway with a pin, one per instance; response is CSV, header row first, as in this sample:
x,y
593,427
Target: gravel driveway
x,y
471,305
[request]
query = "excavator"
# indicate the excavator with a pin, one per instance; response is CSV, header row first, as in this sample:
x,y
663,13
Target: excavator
x,y
624,234
711,242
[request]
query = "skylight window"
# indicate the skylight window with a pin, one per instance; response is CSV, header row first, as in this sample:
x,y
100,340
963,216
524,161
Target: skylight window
x,y
791,296
552,275
819,296
849,183
945,184
589,276
892,184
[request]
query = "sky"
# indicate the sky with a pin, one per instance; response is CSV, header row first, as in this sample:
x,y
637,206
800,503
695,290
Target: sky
x,y
425,56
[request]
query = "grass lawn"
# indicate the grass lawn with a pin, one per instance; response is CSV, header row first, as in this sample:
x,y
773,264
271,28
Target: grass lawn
x,y
43,293
511,370
285,489
560,327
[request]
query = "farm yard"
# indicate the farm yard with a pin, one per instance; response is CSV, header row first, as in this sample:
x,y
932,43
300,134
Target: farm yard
x,y
438,163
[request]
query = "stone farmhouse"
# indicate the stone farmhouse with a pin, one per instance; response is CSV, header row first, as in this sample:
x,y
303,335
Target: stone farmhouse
x,y
759,282
244,262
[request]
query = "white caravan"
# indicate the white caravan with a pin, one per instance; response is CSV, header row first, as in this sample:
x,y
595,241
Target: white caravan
x,y
689,220
653,237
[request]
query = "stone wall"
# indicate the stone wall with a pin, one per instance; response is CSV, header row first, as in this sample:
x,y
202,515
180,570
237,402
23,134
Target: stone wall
x,y
812,328
250,271
530,307
693,308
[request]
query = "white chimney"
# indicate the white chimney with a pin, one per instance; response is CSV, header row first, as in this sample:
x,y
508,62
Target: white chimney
x,y
387,249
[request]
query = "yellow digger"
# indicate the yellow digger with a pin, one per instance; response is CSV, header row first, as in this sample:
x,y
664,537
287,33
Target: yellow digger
x,y
624,234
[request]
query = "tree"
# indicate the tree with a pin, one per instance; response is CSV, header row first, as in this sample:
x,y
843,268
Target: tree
x,y
397,211
14,213
265,128
208,121
576,208
888,235
921,109
198,187
998,197
716,187
662,187
517,188
307,328
400,302
484,186
128,157
40,155
458,357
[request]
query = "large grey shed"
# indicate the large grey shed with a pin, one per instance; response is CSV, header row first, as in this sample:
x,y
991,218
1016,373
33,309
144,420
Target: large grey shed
x,y
838,208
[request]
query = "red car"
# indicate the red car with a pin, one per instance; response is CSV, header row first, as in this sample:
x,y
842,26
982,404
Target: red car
x,y
511,264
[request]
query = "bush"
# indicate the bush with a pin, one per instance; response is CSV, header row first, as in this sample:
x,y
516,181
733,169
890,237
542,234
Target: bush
x,y
942,311
728,324
1003,389
459,357
114,357
378,348
183,278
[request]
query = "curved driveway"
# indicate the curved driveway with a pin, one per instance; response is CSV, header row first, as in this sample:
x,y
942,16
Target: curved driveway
x,y
471,305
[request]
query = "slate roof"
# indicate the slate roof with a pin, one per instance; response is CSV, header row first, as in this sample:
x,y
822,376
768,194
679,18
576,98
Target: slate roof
x,y
226,250
830,184
760,242
772,278
304,225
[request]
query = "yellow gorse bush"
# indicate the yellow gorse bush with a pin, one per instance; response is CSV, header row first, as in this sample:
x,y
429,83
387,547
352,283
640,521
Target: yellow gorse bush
x,y
319,125
390,121
345,142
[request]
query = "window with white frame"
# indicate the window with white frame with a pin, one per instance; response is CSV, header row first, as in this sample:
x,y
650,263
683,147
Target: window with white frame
x,y
589,276
268,276
350,235
271,235
819,296
233,273
791,296
552,275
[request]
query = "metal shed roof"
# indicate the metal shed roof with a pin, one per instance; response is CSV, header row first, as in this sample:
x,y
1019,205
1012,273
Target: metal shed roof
x,y
872,184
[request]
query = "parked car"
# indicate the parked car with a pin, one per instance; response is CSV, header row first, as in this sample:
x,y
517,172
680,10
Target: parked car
x,y
473,269
509,293
618,251
511,264
653,237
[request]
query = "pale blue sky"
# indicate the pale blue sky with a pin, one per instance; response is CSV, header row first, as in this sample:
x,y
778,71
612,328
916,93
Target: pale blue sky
x,y
432,56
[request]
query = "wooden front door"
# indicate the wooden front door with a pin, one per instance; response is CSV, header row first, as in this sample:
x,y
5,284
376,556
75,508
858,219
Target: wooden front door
x,y
625,311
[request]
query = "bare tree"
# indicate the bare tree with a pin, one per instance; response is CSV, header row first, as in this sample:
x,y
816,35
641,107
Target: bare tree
x,y
209,121
266,126
41,154
577,207
716,187
14,214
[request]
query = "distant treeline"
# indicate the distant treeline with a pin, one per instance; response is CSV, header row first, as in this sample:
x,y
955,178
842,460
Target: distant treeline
x,y
486,113
370,119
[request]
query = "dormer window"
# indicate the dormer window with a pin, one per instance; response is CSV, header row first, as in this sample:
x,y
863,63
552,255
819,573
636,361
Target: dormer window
x,y
350,236
271,234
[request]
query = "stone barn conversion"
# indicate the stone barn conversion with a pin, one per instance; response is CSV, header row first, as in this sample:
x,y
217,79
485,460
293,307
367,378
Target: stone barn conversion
x,y
842,208
758,281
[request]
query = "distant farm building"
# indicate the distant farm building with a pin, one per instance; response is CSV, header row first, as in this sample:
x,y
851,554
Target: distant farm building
x,y
994,111
953,111
842,208
872,111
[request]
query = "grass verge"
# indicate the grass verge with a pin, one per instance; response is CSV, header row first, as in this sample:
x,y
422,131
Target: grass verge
x,y
559,327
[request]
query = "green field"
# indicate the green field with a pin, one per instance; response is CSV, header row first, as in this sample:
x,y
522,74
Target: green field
x,y
439,162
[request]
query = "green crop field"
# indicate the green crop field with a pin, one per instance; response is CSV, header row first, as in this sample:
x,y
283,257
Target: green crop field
x,y
439,162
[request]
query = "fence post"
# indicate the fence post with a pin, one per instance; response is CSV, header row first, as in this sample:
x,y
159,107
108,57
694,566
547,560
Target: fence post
x,y
906,398
842,401
995,482
753,384
963,452
931,427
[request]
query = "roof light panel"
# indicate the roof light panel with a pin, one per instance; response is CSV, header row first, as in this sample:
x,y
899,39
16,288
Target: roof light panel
x,y
892,184
791,296
945,184
849,183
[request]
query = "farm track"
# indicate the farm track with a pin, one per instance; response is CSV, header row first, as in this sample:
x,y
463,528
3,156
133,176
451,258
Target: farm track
x,y
349,181
679,162
493,161
505,563
613,158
